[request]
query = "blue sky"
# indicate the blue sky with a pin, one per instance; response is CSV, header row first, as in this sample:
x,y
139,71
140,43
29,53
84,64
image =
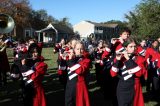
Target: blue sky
x,y
93,10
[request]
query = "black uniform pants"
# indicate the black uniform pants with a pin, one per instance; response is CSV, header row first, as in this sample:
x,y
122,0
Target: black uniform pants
x,y
125,93
3,77
70,94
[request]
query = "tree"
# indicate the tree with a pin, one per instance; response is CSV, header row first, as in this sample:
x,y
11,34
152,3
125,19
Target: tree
x,y
24,16
145,19
38,19
65,21
52,20
19,10
133,22
120,23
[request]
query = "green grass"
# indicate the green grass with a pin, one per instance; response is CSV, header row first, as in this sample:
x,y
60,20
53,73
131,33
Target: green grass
x,y
47,53
50,59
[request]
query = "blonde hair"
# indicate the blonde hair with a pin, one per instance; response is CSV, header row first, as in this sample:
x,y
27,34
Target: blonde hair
x,y
79,42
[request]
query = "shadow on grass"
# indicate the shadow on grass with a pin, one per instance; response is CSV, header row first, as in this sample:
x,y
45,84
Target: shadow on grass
x,y
151,98
54,93
11,94
47,59
10,62
52,69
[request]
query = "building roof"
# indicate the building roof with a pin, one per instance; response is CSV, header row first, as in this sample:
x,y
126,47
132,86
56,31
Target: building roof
x,y
110,25
57,28
48,28
103,25
63,29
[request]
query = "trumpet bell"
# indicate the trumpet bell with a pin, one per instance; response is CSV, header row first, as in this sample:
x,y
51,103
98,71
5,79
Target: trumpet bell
x,y
6,23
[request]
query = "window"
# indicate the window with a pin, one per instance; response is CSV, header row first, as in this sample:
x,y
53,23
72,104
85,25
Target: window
x,y
27,33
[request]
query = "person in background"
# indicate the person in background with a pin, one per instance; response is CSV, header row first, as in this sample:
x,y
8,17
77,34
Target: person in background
x,y
117,42
152,59
158,44
4,64
143,44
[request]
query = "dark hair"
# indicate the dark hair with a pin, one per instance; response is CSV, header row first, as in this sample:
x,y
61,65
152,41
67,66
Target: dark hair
x,y
154,40
125,30
32,47
128,41
21,41
74,38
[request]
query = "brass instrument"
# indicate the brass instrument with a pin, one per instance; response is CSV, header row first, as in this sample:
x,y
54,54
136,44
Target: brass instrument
x,y
3,45
6,25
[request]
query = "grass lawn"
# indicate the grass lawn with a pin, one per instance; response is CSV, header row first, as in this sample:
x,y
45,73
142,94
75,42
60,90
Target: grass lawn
x,y
9,95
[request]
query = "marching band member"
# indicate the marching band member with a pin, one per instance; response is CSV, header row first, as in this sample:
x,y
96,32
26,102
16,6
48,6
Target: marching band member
x,y
98,61
143,44
40,44
115,42
157,82
62,68
156,78
20,47
19,52
142,52
106,78
106,56
152,59
61,62
117,46
4,64
76,93
58,46
33,71
128,68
